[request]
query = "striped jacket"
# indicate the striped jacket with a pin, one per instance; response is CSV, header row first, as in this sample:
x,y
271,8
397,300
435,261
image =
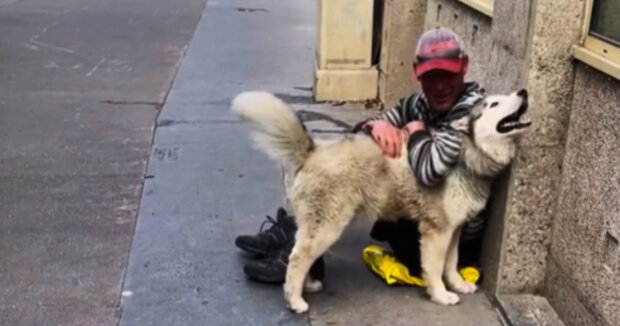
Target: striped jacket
x,y
431,157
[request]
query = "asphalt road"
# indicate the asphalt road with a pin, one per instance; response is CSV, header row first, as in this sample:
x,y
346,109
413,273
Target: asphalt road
x,y
82,82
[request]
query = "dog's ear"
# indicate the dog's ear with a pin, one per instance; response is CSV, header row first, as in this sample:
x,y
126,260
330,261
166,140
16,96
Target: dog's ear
x,y
464,123
477,110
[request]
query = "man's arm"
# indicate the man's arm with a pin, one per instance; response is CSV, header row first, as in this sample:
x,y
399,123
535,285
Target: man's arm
x,y
430,157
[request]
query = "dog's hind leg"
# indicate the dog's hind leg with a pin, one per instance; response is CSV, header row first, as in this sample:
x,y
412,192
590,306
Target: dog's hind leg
x,y
313,239
434,246
454,279
312,284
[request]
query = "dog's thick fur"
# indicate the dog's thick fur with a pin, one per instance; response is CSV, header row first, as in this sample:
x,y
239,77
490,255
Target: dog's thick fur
x,y
329,184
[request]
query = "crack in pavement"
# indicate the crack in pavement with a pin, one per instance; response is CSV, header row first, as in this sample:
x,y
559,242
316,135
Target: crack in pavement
x,y
329,131
171,122
308,116
6,3
241,9
295,99
157,105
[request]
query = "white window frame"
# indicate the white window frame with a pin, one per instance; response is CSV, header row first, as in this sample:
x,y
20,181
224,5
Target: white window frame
x,y
483,6
595,52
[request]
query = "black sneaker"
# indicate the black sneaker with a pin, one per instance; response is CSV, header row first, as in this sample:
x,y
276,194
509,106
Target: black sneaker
x,y
281,231
272,269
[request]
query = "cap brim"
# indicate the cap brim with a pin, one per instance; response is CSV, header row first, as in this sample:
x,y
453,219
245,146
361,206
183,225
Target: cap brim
x,y
451,65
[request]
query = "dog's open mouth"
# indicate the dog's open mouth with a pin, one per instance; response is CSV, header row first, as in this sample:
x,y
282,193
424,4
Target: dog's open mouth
x,y
512,122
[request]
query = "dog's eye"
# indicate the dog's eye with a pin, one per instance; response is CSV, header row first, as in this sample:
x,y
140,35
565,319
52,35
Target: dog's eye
x,y
485,104
494,104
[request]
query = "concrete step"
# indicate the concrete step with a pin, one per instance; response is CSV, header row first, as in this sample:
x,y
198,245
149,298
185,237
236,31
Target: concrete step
x,y
528,310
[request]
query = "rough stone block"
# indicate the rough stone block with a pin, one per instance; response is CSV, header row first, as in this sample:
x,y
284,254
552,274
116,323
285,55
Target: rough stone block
x,y
533,189
585,230
528,310
567,299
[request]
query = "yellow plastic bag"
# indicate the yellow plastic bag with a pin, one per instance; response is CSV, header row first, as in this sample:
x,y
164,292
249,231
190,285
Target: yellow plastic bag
x,y
383,263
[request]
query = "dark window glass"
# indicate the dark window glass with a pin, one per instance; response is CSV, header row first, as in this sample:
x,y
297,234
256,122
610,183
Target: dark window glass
x,y
605,22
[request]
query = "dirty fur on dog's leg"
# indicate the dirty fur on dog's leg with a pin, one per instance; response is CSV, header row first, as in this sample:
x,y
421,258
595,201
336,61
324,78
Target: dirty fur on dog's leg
x,y
311,285
454,279
287,184
312,241
296,272
434,246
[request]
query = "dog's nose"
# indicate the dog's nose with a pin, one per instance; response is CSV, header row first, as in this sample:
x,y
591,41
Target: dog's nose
x,y
522,93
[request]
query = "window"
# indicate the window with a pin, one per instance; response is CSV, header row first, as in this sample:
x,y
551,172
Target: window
x,y
599,46
605,23
484,6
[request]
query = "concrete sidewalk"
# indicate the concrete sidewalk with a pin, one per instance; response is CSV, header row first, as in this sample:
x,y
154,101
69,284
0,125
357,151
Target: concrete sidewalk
x,y
205,185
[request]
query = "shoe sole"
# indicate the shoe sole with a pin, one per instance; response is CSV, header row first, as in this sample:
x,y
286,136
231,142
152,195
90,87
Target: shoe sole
x,y
262,278
317,272
266,279
250,250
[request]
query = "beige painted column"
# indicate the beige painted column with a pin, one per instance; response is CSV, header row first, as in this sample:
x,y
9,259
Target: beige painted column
x,y
343,68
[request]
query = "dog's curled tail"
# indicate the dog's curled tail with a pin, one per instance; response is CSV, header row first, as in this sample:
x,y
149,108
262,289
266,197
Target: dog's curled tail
x,y
280,134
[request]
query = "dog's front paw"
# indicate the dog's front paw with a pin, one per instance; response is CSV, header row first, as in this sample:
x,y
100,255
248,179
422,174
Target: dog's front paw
x,y
464,287
313,286
445,298
298,305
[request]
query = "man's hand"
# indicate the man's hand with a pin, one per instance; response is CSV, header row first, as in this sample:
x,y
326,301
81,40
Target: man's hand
x,y
388,137
415,126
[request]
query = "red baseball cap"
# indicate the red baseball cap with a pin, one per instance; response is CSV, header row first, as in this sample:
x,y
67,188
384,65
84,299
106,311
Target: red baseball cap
x,y
438,48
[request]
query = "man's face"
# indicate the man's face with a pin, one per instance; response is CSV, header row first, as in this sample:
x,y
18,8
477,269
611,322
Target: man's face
x,y
443,88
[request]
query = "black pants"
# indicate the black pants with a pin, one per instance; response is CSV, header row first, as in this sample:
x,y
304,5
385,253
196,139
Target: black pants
x,y
403,237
